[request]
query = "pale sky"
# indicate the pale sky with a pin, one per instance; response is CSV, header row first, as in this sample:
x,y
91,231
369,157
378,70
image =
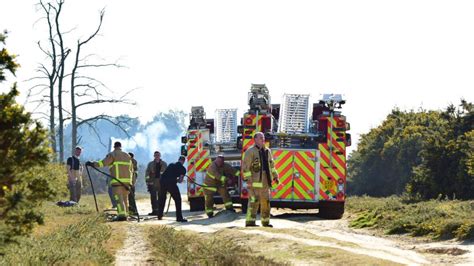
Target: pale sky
x,y
379,54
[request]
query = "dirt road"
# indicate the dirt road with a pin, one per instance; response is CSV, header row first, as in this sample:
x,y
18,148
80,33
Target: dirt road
x,y
302,230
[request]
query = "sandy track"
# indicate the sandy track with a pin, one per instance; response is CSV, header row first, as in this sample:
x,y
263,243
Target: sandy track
x,y
310,230
136,250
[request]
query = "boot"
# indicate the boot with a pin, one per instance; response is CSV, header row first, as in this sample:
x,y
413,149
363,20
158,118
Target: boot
x,y
119,219
250,224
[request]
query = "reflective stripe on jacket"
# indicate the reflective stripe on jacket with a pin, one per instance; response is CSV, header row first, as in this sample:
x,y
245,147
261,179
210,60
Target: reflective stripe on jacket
x,y
217,176
252,167
120,166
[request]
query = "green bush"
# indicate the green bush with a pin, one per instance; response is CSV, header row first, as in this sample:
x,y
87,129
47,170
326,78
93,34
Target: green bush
x,y
422,153
465,231
26,179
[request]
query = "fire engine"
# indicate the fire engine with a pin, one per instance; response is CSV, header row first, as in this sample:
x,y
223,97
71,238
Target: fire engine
x,y
309,151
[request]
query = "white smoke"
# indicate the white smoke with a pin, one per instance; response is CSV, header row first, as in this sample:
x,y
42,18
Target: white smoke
x,y
154,137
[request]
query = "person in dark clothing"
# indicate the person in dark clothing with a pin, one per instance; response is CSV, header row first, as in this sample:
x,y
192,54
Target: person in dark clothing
x,y
131,196
74,173
153,174
174,173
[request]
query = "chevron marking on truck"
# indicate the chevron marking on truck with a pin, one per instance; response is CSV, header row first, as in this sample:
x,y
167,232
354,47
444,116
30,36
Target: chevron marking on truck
x,y
284,166
304,183
203,162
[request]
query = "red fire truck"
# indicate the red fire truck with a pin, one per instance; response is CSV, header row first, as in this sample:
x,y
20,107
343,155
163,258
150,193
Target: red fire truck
x,y
309,151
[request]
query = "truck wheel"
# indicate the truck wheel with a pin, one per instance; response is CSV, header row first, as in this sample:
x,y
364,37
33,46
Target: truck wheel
x,y
331,210
245,203
196,204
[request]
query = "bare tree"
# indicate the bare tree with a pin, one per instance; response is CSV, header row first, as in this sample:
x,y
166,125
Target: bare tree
x,y
50,73
85,90
88,87
62,59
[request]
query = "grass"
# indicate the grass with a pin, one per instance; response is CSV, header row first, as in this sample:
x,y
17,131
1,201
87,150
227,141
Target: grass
x,y
71,235
172,247
298,253
233,247
438,219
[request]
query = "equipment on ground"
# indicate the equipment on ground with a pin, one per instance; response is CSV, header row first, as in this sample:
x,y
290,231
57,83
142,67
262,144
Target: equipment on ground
x,y
116,179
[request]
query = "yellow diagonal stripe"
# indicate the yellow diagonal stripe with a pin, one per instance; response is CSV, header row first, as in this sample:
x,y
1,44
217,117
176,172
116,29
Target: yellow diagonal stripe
x,y
284,165
283,190
302,191
303,167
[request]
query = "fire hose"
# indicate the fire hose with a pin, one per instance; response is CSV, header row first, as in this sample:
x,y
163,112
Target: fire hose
x,y
108,175
190,179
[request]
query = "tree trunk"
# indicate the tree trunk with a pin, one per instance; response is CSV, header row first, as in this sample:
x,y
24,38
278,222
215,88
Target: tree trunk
x,y
73,99
60,86
52,130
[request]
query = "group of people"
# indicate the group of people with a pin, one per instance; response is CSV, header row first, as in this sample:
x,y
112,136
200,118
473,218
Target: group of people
x,y
160,178
258,170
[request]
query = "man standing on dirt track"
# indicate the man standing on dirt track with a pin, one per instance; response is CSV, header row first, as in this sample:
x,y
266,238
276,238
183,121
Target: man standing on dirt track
x,y
74,175
174,173
121,169
259,171
153,174
216,181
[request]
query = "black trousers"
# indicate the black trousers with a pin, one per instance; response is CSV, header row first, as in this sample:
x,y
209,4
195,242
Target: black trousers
x,y
154,190
132,205
173,189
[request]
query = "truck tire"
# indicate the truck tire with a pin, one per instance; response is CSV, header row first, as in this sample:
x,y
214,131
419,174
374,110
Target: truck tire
x,y
331,210
245,204
196,204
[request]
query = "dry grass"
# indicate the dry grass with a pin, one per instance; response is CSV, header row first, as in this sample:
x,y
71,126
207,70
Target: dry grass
x,y
233,247
70,235
438,219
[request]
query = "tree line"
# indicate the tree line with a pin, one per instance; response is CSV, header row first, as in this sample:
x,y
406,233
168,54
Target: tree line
x,y
423,154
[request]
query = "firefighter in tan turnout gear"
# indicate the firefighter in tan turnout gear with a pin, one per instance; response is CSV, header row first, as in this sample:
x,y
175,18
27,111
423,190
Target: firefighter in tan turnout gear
x,y
216,181
153,173
259,171
121,168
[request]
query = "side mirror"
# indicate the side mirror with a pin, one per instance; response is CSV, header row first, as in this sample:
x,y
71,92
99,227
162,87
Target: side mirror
x,y
348,140
184,150
184,140
348,126
240,129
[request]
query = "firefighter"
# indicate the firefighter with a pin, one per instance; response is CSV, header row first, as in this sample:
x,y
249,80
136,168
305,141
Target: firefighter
x,y
174,173
216,180
131,195
121,168
153,173
259,171
74,174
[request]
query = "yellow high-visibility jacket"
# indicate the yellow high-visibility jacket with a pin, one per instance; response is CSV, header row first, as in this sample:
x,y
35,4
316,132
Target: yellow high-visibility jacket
x,y
120,166
253,170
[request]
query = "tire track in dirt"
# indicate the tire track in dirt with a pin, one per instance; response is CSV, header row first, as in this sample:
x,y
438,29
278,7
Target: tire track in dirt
x,y
328,233
409,258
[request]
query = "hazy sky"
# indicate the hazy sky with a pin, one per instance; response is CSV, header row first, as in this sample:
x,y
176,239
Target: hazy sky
x,y
380,54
